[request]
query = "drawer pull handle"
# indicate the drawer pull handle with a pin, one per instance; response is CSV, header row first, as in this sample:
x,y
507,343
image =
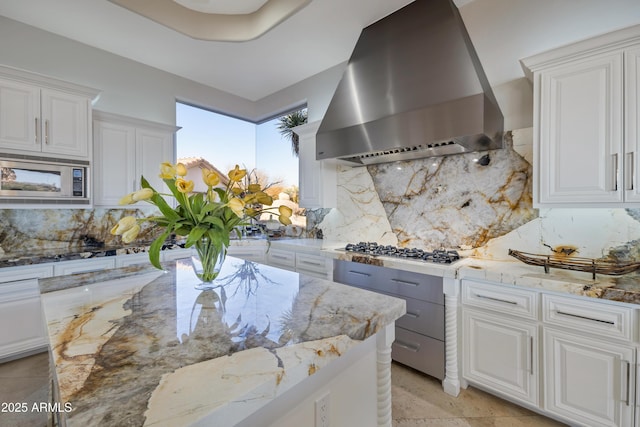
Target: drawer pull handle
x,y
564,313
317,264
530,355
95,270
405,282
411,347
411,314
496,299
360,273
627,378
614,158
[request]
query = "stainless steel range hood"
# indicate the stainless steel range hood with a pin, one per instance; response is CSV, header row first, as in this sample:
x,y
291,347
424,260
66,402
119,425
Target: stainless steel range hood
x,y
413,88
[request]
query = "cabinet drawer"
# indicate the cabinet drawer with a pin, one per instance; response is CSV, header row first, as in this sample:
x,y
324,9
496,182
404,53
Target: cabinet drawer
x,y
174,254
280,258
396,282
254,253
606,320
311,263
23,272
19,290
83,266
423,317
422,353
504,299
131,259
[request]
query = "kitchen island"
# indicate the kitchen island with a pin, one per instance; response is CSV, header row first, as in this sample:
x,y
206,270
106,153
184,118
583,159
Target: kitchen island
x,y
137,346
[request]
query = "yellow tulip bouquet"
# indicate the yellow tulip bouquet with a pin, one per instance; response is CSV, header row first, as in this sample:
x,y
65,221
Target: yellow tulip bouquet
x,y
206,219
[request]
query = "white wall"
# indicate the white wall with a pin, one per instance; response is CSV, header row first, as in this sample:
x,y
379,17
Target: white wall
x,y
137,90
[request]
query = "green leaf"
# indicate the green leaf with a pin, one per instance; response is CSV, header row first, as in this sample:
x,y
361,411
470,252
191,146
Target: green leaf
x,y
197,202
154,249
215,221
195,235
222,194
159,201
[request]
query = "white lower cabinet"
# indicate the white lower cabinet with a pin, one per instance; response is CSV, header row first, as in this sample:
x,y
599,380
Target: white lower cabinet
x,y
22,328
247,252
571,358
307,263
588,381
513,369
87,265
281,258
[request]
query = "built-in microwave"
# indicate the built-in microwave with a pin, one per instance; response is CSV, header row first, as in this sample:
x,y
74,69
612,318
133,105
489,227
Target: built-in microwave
x,y
37,180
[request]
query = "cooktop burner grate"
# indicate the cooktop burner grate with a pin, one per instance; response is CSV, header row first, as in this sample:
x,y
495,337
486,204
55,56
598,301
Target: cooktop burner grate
x,y
439,256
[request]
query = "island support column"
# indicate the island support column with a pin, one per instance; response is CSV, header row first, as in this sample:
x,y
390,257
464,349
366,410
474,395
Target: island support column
x,y
385,338
451,383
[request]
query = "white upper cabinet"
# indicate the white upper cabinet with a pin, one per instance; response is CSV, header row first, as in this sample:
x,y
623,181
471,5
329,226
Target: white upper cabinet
x,y
632,124
43,115
317,178
586,121
126,149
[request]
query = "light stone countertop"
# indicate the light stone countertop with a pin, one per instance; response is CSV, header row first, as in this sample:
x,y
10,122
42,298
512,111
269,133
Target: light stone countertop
x,y
625,288
123,347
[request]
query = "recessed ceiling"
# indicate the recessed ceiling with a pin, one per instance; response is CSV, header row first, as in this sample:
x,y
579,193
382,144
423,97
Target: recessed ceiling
x,y
225,7
318,37
199,19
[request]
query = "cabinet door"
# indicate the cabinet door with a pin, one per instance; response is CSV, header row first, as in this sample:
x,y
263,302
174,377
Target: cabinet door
x,y
19,115
153,148
317,178
588,381
88,265
501,354
21,316
65,123
114,164
580,140
632,125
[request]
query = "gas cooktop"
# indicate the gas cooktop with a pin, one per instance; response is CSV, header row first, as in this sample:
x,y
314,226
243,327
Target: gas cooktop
x,y
439,256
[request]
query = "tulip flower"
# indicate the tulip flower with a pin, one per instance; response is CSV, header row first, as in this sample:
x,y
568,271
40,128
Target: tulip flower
x,y
167,171
127,200
237,174
263,198
237,206
131,234
181,170
184,186
142,194
210,178
126,223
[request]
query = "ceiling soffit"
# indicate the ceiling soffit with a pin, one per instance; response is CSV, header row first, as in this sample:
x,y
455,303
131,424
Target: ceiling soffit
x,y
215,26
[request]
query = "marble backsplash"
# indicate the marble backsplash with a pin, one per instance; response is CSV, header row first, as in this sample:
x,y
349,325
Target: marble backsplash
x,y
455,201
481,203
26,230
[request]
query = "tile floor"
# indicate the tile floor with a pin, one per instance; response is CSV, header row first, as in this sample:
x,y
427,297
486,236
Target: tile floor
x,y
418,400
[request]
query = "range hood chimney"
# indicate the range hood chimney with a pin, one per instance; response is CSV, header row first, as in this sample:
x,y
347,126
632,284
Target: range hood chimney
x,y
413,88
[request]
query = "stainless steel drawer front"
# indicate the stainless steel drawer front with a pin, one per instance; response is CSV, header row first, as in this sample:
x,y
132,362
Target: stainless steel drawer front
x,y
396,282
422,353
420,333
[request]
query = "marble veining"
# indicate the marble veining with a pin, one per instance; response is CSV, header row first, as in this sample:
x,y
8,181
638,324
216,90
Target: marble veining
x,y
116,343
24,231
455,201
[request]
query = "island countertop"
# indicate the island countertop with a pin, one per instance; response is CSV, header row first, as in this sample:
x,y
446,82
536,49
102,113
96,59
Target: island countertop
x,y
144,347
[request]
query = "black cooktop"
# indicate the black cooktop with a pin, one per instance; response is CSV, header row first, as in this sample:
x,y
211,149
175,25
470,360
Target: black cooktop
x,y
440,256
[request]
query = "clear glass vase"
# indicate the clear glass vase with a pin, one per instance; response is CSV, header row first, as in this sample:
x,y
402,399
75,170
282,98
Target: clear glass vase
x,y
207,260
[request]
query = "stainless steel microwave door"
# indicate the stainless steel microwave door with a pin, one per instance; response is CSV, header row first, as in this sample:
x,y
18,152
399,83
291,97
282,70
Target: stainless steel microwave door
x,y
18,179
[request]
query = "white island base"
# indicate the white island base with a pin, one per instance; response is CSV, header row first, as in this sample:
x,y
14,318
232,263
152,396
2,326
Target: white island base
x,y
357,387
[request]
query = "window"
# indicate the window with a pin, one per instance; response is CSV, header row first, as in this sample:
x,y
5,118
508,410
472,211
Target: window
x,y
209,139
